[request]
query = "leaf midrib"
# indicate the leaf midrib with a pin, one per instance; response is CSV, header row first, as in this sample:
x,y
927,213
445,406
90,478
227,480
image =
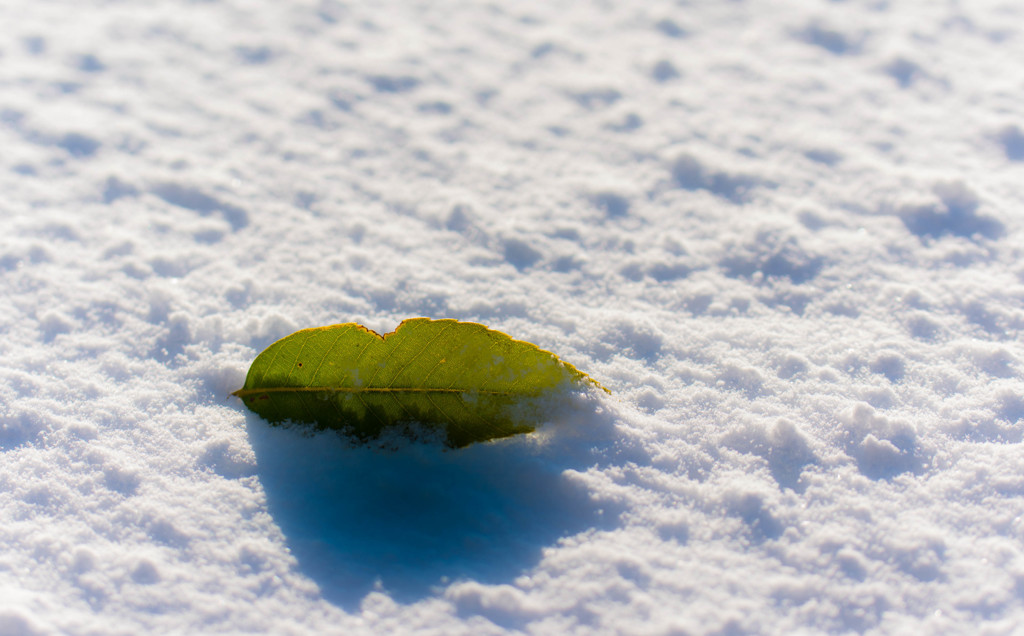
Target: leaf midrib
x,y
333,389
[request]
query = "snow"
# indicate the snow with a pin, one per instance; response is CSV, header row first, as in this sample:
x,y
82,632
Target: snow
x,y
785,235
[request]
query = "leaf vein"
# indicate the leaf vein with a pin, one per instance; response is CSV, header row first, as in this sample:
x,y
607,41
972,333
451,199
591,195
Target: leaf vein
x,y
417,355
327,354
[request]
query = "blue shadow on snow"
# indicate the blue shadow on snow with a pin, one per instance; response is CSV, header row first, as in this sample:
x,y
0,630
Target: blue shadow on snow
x,y
413,518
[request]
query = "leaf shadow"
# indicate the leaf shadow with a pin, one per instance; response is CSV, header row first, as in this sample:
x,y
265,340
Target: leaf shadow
x,y
410,519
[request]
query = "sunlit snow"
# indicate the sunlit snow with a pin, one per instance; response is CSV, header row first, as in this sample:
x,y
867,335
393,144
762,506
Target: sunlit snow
x,y
786,235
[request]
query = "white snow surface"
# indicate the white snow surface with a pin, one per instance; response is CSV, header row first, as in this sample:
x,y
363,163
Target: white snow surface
x,y
786,235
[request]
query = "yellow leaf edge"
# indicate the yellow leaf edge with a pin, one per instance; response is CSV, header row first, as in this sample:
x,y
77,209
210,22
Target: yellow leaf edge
x,y
579,375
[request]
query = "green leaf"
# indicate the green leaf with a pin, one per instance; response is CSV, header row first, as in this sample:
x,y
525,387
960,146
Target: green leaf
x,y
474,383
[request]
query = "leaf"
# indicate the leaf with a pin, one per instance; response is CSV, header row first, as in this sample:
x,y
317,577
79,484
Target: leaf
x,y
474,383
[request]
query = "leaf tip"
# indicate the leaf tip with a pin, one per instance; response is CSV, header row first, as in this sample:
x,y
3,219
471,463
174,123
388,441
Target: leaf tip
x,y
601,386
